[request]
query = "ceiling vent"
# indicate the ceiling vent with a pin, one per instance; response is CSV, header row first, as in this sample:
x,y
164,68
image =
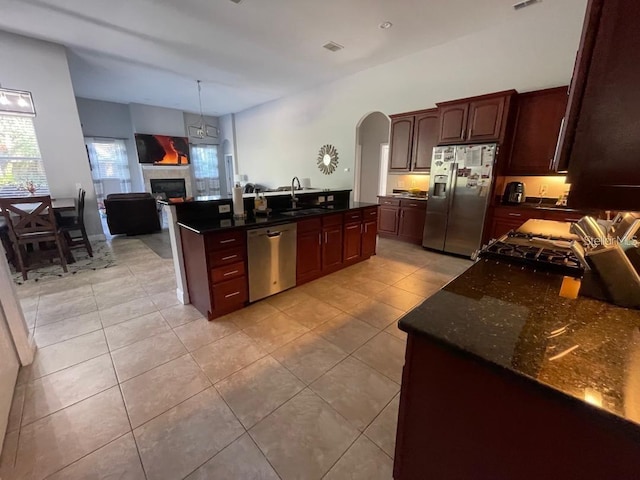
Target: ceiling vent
x,y
525,3
333,46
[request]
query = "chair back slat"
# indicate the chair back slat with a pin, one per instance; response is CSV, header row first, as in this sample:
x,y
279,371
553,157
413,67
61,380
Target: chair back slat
x,y
81,195
35,215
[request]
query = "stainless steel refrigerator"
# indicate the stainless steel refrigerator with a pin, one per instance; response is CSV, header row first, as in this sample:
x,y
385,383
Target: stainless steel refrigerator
x,y
459,191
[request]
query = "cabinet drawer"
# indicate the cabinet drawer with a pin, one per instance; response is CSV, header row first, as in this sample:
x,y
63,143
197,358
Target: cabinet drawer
x,y
309,225
219,241
228,272
516,213
390,202
353,216
226,257
329,220
370,213
229,294
421,204
563,216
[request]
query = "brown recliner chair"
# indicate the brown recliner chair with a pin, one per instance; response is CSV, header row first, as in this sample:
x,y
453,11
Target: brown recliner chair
x,y
132,213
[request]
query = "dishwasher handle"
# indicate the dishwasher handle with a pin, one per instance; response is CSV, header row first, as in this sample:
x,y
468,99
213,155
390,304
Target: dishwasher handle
x,y
273,234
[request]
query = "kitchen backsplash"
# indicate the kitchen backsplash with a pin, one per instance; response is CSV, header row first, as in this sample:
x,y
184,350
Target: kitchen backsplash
x,y
405,182
547,187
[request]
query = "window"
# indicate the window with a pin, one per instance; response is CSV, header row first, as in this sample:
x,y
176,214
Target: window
x,y
205,169
20,161
109,166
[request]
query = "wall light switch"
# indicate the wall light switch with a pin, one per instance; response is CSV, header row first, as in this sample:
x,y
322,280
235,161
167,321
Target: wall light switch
x,y
224,208
321,199
330,198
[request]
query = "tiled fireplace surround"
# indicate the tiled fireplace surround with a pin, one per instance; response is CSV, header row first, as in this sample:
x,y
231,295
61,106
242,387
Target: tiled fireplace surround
x,y
155,172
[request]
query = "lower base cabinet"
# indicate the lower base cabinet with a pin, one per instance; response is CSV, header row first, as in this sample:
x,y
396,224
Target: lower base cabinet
x,y
506,218
402,219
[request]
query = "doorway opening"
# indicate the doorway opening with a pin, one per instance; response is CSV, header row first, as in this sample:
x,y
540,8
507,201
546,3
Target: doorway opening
x,y
372,157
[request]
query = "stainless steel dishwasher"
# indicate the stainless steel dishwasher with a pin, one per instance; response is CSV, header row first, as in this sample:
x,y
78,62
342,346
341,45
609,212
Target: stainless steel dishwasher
x,y
272,260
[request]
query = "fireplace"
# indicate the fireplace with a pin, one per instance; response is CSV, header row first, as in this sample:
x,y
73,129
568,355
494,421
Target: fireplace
x,y
171,187
180,172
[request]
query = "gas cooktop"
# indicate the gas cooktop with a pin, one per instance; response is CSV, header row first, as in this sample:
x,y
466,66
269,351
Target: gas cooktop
x,y
546,252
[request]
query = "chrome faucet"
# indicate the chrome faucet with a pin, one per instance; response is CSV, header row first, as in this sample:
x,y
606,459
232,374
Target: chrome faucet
x,y
294,199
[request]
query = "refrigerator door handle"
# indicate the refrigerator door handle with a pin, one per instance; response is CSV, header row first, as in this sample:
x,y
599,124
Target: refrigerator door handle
x,y
453,182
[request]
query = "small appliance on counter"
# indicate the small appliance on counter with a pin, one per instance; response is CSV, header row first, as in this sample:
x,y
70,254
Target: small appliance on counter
x,y
514,193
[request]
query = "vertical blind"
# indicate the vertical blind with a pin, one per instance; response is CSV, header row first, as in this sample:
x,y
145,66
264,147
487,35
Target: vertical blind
x,y
20,160
204,159
109,166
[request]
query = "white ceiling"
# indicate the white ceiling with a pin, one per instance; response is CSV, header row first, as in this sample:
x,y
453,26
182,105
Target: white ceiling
x,y
152,51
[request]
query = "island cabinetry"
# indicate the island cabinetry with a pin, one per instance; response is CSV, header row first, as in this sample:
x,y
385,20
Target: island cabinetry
x,y
215,264
353,229
331,243
309,250
402,219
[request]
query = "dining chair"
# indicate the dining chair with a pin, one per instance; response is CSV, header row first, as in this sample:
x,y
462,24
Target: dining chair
x,y
31,221
75,224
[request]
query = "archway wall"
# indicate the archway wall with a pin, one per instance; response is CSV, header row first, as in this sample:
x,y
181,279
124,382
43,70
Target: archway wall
x,y
372,132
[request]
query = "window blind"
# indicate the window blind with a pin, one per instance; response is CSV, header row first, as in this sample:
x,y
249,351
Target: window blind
x,y
20,160
109,166
204,159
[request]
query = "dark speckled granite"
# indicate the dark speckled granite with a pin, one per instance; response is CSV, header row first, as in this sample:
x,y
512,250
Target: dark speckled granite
x,y
206,225
507,315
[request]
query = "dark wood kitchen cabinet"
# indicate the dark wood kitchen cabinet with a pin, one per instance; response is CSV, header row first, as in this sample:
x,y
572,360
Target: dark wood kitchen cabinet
x,y
538,119
479,119
600,144
309,250
507,218
352,248
402,219
332,243
369,233
413,136
400,143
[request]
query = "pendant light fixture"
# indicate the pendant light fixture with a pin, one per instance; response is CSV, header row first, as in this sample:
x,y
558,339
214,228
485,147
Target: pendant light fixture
x,y
16,102
203,129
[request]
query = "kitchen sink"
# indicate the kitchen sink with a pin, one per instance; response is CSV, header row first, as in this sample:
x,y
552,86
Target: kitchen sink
x,y
303,211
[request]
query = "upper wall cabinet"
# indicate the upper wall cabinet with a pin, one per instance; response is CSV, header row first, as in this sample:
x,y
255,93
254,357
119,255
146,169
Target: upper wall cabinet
x,y
537,126
475,120
413,136
600,143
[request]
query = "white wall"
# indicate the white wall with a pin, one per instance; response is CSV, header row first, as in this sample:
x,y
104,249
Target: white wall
x,y
281,139
374,131
111,120
42,68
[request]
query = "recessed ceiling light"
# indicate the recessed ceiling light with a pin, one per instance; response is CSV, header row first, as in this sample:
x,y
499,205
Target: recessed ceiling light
x,y
236,1
333,46
385,25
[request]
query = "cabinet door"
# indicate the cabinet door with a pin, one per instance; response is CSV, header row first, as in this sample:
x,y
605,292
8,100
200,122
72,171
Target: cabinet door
x,y
388,220
352,242
453,122
411,224
369,237
309,256
485,120
332,247
425,137
536,133
401,142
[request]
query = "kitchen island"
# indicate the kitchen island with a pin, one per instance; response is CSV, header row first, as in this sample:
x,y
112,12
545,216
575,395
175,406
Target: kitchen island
x,y
505,379
331,232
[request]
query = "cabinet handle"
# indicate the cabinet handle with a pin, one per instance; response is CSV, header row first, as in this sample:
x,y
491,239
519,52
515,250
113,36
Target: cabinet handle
x,y
366,228
413,204
352,227
326,237
319,239
229,257
373,213
231,240
515,214
232,295
230,273
360,229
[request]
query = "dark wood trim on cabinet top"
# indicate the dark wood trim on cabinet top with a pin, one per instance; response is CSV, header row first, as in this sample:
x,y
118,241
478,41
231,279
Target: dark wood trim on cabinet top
x,y
504,93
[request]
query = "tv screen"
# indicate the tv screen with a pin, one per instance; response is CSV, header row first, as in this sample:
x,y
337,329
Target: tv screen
x,y
162,149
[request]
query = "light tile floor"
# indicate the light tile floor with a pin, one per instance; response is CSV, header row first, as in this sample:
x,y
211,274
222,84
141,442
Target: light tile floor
x,y
129,384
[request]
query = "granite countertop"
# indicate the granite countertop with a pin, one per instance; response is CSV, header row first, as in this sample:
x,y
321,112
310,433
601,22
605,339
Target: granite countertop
x,y
542,206
514,318
206,225
217,198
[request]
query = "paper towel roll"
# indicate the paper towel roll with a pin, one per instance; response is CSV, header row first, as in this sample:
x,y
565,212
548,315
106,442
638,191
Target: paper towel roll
x,y
238,202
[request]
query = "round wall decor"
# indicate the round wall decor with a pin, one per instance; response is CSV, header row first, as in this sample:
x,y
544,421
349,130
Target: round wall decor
x,y
328,159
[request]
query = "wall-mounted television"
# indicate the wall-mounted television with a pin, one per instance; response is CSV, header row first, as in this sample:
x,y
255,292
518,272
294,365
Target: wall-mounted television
x,y
162,149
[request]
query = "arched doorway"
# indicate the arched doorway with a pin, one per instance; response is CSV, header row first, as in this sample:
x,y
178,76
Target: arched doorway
x,y
372,153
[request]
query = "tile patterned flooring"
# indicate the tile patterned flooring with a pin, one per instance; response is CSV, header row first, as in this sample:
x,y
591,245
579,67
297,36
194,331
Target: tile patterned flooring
x,y
129,384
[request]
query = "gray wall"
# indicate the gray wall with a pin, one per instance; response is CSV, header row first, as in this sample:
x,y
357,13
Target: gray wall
x,y
42,68
111,120
374,130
